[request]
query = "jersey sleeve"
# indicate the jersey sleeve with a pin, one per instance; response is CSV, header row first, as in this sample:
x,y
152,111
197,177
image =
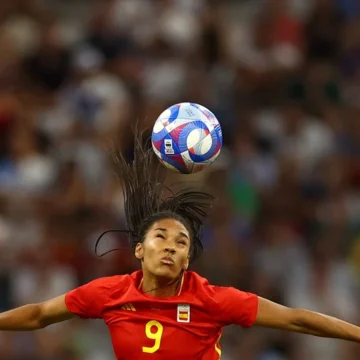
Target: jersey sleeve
x,y
236,307
87,301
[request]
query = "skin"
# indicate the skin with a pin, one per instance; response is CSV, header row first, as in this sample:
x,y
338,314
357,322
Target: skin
x,y
165,238
169,238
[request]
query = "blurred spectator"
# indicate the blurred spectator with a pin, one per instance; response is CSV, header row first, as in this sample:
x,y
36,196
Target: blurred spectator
x,y
323,32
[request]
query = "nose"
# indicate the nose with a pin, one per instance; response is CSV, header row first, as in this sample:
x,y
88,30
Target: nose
x,y
170,249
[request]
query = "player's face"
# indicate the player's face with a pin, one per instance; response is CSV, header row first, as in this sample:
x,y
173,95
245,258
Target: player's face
x,y
165,250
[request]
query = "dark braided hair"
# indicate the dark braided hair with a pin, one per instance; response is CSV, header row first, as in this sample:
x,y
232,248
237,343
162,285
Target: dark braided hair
x,y
148,199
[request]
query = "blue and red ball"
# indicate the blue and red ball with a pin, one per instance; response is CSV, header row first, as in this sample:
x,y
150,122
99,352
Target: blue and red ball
x,y
187,138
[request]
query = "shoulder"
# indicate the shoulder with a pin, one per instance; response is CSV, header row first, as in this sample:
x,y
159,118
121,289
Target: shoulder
x,y
196,284
200,285
116,284
90,299
226,304
108,283
105,286
194,280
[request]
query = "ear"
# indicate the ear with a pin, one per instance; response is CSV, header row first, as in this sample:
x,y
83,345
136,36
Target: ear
x,y
139,251
186,264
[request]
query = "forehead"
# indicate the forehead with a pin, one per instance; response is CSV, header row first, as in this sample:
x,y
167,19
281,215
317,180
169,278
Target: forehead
x,y
170,224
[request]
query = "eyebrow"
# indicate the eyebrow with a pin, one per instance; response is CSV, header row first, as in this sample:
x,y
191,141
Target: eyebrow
x,y
165,230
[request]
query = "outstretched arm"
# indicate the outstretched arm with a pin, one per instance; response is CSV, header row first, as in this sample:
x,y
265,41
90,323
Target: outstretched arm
x,y
281,317
35,316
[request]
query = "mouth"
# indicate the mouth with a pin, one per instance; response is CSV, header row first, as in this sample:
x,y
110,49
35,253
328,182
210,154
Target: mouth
x,y
167,261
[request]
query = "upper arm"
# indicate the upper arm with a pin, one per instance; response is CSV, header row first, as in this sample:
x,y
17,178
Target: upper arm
x,y
54,310
274,315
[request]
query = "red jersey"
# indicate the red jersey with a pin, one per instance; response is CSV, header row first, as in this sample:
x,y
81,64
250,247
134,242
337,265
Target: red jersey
x,y
185,326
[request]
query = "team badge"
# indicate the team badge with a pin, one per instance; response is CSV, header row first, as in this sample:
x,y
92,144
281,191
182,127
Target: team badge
x,y
183,313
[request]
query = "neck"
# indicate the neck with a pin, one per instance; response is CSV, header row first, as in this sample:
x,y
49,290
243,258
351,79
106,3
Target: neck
x,y
160,287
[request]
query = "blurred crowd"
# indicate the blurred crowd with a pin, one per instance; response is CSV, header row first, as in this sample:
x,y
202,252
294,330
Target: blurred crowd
x,y
283,78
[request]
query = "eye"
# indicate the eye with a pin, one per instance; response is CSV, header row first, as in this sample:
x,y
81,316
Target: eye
x,y
182,242
160,236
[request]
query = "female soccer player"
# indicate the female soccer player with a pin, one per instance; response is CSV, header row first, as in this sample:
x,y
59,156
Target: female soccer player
x,y
164,311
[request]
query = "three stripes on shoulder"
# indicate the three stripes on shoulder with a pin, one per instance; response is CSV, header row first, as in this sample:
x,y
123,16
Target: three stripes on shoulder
x,y
129,307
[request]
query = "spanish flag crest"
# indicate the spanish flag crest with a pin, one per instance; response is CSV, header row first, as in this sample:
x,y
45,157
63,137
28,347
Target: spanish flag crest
x,y
183,313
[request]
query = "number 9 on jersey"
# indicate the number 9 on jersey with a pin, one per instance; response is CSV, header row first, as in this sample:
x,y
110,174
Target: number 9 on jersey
x,y
156,336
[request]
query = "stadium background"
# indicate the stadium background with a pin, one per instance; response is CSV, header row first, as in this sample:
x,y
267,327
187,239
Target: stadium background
x,y
282,76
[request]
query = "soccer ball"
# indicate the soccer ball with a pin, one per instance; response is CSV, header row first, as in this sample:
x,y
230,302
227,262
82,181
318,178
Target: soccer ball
x,y
187,138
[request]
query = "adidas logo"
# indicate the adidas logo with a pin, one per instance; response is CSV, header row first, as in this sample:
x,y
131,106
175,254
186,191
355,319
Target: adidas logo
x,y
129,307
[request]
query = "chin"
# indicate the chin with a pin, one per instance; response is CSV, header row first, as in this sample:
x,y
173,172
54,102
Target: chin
x,y
167,272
